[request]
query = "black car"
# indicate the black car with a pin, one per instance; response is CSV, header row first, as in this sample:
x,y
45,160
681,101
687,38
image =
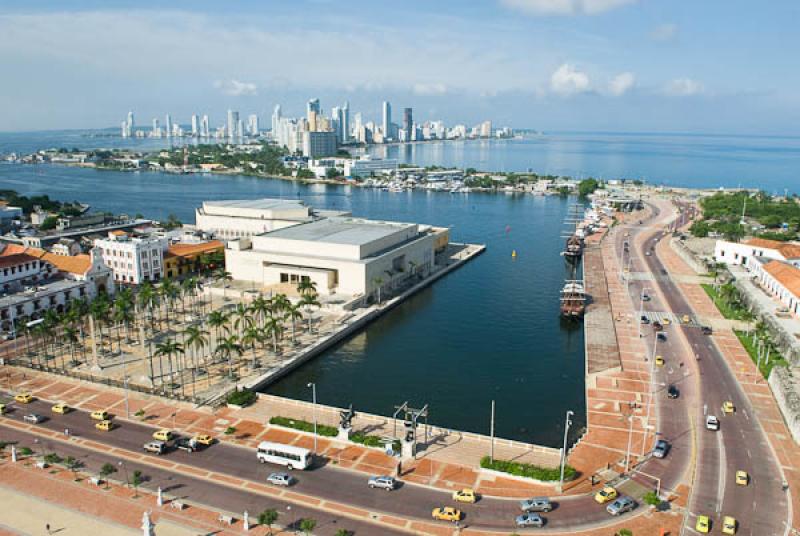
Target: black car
x,y
657,326
185,443
707,330
661,336
673,392
645,320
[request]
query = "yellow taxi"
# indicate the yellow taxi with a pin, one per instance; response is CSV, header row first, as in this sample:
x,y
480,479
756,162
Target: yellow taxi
x,y
729,525
703,524
24,398
606,494
446,513
728,407
466,495
60,408
742,478
659,361
104,426
162,435
666,321
204,439
685,319
100,415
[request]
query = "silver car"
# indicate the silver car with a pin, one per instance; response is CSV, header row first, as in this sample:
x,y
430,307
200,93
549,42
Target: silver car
x,y
661,449
280,479
621,505
34,418
530,519
537,504
383,482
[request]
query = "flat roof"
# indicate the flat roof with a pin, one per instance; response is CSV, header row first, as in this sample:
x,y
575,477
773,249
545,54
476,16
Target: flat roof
x,y
350,231
265,203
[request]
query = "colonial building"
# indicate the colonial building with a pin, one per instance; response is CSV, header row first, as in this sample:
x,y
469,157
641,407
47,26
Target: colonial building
x,y
185,258
133,260
743,253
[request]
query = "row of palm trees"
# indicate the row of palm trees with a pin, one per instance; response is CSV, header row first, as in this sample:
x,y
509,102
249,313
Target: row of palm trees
x,y
154,311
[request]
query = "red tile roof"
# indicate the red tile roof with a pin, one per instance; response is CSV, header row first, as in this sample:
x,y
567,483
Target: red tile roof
x,y
785,274
7,261
789,250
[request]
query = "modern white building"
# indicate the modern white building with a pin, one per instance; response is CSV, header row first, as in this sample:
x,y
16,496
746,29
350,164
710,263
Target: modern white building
x,y
341,255
234,219
133,260
366,166
386,125
743,253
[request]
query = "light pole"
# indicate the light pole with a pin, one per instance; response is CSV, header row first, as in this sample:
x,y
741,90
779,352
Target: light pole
x,y
125,468
650,397
313,387
127,409
641,308
630,436
567,424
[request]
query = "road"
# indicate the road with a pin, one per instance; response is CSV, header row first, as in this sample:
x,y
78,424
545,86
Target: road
x,y
761,508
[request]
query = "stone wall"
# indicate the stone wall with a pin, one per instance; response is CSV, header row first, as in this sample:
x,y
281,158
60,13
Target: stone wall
x,y
788,345
784,389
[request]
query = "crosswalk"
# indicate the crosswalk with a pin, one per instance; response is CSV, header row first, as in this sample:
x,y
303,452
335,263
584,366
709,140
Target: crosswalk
x,y
671,318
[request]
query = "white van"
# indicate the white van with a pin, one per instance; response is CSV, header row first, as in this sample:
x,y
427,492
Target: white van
x,y
286,455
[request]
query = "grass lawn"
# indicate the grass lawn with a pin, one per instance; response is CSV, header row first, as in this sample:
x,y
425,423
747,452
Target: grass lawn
x,y
775,359
729,312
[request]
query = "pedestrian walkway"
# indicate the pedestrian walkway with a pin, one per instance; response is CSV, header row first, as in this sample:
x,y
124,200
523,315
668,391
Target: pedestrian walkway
x,y
753,384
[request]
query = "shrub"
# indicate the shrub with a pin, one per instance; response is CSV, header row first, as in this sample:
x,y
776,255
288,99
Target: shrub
x,y
52,458
527,470
25,451
651,498
245,397
230,430
305,426
371,440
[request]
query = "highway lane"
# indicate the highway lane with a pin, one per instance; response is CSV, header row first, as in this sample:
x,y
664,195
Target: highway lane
x,y
739,445
199,491
324,480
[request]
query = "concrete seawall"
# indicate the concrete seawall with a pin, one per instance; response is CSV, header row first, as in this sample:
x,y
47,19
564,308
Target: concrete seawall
x,y
360,320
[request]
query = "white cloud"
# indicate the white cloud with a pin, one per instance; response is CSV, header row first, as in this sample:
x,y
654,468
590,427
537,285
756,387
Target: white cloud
x,y
684,87
621,84
665,32
566,7
235,88
429,89
566,80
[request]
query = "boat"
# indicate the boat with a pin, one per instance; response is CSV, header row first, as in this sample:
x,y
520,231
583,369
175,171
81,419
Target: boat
x,y
573,247
573,299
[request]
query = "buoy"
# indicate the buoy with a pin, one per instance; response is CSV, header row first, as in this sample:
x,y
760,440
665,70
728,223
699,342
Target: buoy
x,y
514,253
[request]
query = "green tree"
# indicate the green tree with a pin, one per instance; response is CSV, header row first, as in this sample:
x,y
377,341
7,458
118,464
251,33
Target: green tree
x,y
136,481
170,349
307,525
48,224
106,471
268,517
344,532
587,186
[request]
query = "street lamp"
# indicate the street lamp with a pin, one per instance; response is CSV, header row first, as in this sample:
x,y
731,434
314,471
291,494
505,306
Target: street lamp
x,y
650,397
313,387
125,468
567,424
641,307
127,408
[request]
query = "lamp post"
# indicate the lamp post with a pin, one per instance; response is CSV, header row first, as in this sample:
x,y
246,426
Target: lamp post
x,y
127,408
567,424
630,436
641,308
650,397
313,387
125,468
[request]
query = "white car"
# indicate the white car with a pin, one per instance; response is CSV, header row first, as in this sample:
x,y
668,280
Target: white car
x,y
280,479
33,418
712,423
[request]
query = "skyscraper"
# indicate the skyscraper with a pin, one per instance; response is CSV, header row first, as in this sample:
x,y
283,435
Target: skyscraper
x,y
252,124
276,120
313,111
239,128
131,124
204,130
195,131
156,129
233,121
168,125
387,120
345,122
124,129
408,122
336,122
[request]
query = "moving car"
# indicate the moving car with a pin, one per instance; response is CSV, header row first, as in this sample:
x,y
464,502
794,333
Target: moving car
x,y
646,297
703,524
729,525
606,494
685,319
33,418
728,407
666,321
657,326
742,478
529,519
661,448
104,426
162,435
621,505
185,443
659,361
61,408
661,336
23,398
673,392
101,415
383,482
280,479
707,330
446,513
536,504
645,320
156,447
712,423
466,495
204,439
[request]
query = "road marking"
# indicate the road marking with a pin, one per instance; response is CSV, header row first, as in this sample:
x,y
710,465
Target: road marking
x,y
748,453
722,463
746,416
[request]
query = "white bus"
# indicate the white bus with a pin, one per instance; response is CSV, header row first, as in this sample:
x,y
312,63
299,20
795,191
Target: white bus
x,y
291,457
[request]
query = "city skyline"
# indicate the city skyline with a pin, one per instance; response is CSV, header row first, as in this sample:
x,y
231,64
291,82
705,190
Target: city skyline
x,y
543,64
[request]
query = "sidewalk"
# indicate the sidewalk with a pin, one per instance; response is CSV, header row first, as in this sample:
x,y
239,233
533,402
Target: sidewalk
x,y
753,384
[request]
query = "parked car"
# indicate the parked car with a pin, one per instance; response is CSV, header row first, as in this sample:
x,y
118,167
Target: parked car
x,y
712,423
186,443
536,504
280,479
673,392
529,519
621,505
661,449
33,418
156,447
383,482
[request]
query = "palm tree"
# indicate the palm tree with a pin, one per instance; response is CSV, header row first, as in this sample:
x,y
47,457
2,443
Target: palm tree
x,y
378,282
309,300
217,320
99,314
223,277
306,286
189,288
243,318
227,348
293,313
261,307
146,298
273,327
170,348
71,335
252,334
168,290
197,339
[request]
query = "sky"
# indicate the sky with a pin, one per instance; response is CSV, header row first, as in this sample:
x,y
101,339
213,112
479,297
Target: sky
x,y
700,66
